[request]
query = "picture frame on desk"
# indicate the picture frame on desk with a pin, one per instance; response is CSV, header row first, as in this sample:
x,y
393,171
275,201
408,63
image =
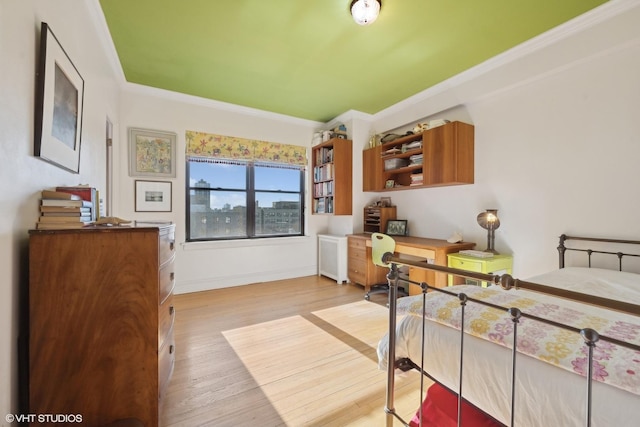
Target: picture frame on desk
x,y
385,202
58,106
396,227
153,196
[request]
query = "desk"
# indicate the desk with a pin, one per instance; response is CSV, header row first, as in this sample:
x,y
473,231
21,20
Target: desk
x,y
362,270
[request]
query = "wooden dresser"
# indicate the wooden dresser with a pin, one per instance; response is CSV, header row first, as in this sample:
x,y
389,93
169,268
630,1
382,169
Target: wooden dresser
x,y
101,322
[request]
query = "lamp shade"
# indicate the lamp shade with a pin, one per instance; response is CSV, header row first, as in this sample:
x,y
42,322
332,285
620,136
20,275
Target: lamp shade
x,y
364,12
489,221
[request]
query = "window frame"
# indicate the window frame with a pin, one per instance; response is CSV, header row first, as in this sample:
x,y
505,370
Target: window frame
x,y
250,191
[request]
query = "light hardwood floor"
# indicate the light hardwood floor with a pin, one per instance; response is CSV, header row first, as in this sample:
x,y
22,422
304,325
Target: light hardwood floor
x,y
299,352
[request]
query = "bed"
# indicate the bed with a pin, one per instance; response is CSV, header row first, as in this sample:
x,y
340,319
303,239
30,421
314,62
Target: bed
x,y
571,324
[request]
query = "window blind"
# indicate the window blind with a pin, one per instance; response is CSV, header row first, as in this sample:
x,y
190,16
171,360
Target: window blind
x,y
207,147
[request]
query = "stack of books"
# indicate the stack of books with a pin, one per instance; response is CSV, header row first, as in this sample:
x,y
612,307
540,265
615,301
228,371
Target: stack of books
x,y
415,160
60,210
416,179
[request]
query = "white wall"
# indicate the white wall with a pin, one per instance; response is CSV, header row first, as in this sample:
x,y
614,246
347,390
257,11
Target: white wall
x,y
212,265
23,176
557,142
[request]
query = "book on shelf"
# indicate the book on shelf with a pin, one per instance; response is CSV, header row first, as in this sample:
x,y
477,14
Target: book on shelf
x,y
416,179
416,159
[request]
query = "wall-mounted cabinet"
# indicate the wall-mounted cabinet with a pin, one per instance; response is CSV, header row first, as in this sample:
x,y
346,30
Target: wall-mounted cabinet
x,y
437,157
332,177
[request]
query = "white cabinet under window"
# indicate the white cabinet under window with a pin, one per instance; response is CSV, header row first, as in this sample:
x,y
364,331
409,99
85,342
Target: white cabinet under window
x,y
332,257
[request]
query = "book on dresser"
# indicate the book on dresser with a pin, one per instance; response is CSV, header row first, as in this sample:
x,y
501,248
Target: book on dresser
x,y
65,218
89,194
65,211
60,209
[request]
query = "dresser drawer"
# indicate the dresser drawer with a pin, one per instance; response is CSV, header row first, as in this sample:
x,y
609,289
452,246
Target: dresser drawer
x,y
166,362
167,281
166,319
167,244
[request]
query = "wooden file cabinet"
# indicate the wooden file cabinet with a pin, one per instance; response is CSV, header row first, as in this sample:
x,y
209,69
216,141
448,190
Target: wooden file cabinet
x,y
376,218
360,268
497,264
101,322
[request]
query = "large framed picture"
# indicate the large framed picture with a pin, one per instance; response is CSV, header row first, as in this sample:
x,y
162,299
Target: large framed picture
x,y
152,153
58,106
153,196
396,227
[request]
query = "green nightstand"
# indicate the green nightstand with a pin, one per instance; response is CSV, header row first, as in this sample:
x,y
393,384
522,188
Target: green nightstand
x,y
497,264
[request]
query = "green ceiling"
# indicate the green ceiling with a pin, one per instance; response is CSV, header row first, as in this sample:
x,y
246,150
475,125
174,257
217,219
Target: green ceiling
x,y
307,58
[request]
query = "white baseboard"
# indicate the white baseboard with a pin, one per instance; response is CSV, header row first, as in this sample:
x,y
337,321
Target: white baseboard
x,y
243,279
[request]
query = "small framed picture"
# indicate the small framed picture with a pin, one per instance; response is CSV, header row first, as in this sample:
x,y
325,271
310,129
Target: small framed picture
x,y
396,227
389,184
385,201
153,196
152,153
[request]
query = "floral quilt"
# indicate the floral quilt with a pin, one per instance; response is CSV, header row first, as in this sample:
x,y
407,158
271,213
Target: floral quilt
x,y
613,364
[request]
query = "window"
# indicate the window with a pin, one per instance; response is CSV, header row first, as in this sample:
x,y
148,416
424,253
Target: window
x,y
242,199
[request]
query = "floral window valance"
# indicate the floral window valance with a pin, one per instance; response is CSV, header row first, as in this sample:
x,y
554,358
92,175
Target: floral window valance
x,y
214,147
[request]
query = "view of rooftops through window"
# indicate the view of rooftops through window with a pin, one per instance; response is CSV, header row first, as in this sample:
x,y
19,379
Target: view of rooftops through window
x,y
229,201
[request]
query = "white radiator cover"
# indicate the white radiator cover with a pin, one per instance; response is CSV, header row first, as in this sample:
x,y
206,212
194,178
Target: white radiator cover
x,y
332,257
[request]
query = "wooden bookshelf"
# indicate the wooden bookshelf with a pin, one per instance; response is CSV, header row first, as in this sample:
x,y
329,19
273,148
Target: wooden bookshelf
x,y
437,157
332,177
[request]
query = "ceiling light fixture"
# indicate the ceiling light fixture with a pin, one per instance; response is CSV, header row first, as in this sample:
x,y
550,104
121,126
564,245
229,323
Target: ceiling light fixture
x,y
364,12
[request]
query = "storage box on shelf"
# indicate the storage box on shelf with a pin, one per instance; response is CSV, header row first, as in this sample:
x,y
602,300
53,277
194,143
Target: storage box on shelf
x,y
332,180
437,157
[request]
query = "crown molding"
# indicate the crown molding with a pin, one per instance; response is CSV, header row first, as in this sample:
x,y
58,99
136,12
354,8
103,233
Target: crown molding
x,y
169,95
581,23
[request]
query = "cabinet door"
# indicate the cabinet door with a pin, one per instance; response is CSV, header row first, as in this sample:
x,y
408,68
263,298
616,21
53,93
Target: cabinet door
x,y
372,169
448,154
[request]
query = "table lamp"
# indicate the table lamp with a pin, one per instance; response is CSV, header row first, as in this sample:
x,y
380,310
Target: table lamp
x,y
490,222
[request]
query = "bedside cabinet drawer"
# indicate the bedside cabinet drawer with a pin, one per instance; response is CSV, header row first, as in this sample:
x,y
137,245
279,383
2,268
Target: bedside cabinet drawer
x,y
497,264
467,265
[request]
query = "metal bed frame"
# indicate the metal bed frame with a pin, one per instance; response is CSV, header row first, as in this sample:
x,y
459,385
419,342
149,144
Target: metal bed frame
x,y
383,256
